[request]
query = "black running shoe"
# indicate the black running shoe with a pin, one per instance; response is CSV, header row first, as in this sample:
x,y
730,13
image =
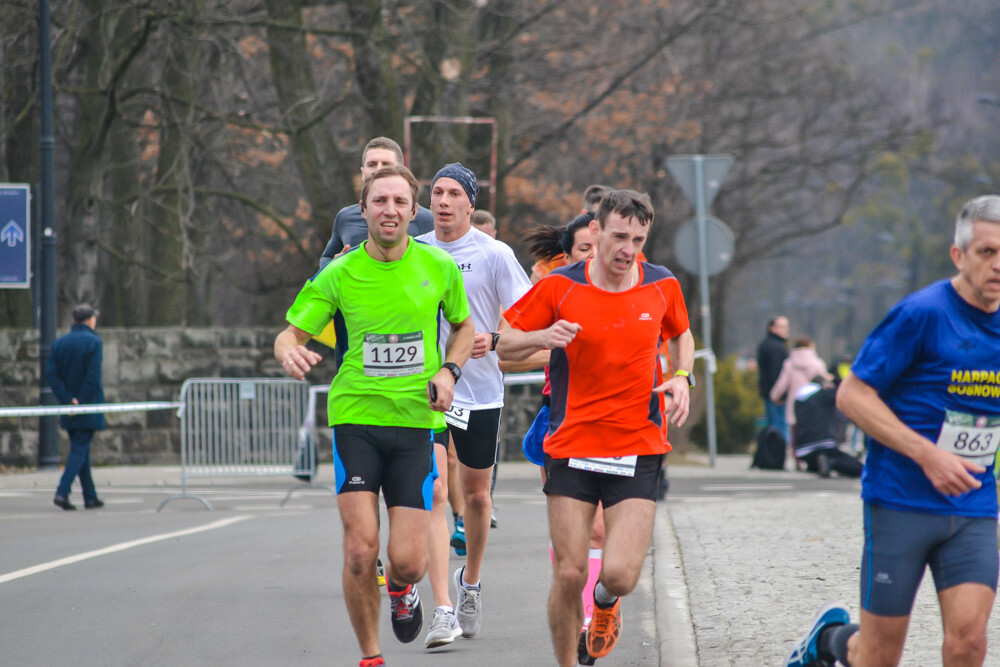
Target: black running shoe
x,y
582,657
407,613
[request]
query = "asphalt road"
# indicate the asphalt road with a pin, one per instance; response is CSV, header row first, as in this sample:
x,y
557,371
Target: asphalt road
x,y
250,583
257,583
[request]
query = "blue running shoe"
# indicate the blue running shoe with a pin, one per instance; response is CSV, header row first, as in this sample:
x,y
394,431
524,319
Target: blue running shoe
x,y
458,537
806,651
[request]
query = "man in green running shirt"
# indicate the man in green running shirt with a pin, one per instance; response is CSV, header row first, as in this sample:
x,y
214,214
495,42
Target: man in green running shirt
x,y
389,395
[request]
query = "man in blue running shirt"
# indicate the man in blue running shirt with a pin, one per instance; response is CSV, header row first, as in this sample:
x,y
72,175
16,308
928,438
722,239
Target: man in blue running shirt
x,y
925,388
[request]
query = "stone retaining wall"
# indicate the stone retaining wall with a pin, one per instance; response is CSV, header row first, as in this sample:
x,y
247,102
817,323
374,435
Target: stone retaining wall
x,y
151,364
139,365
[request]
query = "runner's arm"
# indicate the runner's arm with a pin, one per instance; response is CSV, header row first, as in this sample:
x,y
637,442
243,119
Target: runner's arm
x,y
677,390
517,345
290,351
681,349
861,404
537,360
456,351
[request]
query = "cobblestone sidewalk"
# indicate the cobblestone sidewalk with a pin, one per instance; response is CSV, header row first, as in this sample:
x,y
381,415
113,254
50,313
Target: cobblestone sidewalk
x,y
758,568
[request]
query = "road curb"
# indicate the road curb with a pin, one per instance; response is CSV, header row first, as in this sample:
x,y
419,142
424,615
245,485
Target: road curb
x,y
674,626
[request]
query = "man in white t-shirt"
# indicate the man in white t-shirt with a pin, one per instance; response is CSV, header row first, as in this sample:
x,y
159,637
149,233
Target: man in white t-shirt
x,y
494,280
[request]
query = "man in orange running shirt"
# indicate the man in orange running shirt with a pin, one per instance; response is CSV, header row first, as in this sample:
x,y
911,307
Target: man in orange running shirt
x,y
603,321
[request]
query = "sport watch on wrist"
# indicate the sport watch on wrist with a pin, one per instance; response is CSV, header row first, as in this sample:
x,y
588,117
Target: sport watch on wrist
x,y
688,376
455,371
496,339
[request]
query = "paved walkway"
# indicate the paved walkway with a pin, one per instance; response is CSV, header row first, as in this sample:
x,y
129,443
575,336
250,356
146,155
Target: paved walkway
x,y
736,577
757,568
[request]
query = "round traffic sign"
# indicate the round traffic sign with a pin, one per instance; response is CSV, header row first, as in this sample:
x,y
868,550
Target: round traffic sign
x,y
719,239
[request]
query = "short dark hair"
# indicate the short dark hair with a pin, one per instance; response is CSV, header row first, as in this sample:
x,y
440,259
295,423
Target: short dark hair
x,y
481,217
805,341
84,312
386,172
627,204
594,194
386,143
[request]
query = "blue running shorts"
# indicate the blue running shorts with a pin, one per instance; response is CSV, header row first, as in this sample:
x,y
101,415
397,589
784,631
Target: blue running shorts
x,y
899,545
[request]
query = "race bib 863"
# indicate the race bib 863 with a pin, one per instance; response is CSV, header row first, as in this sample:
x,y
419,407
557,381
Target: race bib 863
x,y
972,437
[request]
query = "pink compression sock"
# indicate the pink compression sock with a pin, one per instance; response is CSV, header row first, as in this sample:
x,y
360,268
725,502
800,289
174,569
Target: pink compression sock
x,y
588,591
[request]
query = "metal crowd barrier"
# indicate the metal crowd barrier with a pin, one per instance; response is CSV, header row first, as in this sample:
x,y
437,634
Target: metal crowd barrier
x,y
245,427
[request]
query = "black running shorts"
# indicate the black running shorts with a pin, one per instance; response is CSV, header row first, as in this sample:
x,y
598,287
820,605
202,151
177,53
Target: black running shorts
x,y
476,445
591,487
399,460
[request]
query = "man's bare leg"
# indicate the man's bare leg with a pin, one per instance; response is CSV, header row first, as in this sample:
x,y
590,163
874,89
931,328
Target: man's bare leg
x,y
358,514
965,613
475,485
438,545
444,627
628,531
409,530
455,498
878,641
570,523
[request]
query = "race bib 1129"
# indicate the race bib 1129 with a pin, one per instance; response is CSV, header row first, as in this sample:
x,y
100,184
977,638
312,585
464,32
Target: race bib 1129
x,y
393,355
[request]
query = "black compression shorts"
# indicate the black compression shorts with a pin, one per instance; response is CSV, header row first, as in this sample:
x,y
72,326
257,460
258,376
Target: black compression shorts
x,y
399,460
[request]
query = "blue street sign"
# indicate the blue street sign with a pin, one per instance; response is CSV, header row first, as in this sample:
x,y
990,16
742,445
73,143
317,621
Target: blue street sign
x,y
15,235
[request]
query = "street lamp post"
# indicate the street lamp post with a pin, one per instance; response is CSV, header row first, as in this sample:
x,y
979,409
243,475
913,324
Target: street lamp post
x,y
48,427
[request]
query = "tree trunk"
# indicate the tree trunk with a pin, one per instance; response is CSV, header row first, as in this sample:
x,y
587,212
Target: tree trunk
x,y
112,40
124,295
174,239
374,70
326,175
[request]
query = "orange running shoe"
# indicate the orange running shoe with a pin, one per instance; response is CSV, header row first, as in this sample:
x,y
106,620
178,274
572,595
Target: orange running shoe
x,y
602,633
377,661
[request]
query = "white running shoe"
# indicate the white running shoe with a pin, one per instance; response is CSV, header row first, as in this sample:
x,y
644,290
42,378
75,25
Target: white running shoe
x,y
469,609
443,629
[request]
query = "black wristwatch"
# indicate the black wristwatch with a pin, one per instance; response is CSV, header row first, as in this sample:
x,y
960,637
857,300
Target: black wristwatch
x,y
455,371
687,376
496,339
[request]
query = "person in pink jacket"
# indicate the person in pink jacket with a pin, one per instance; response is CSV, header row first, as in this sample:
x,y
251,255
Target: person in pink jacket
x,y
799,368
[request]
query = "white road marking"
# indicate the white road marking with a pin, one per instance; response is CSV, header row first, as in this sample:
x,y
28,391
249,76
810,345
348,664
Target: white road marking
x,y
69,560
267,508
748,487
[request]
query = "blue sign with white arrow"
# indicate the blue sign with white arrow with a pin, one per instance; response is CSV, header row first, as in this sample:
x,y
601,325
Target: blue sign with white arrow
x,y
15,235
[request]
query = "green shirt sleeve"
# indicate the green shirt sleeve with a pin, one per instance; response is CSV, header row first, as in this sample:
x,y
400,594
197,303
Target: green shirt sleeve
x,y
313,308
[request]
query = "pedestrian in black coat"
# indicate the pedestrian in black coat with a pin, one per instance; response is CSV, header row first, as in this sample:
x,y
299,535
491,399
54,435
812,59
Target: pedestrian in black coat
x,y
771,355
